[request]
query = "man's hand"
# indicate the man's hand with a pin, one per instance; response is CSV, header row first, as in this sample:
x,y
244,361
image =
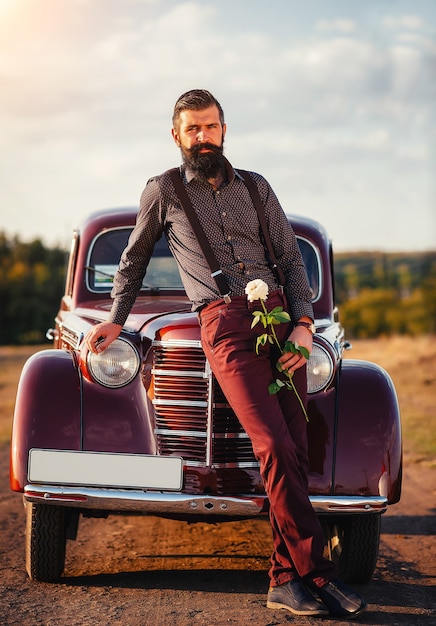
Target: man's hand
x,y
101,336
303,337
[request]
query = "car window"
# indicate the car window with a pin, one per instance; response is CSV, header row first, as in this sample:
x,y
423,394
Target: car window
x,y
162,272
105,254
312,263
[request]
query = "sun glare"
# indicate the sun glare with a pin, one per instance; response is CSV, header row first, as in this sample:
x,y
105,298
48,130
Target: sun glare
x,y
7,6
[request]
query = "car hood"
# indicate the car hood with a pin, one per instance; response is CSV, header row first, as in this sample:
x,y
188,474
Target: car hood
x,y
143,311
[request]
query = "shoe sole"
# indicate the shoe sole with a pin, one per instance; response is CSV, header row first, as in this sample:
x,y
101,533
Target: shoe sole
x,y
279,605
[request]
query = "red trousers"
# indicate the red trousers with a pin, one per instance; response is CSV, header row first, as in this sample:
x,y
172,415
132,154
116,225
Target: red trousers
x,y
277,428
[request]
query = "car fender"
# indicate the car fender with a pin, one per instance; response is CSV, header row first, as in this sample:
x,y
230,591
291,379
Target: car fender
x,y
368,433
118,420
47,409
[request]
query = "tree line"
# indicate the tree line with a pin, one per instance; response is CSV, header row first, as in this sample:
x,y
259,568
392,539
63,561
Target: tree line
x,y
32,279
386,294
377,293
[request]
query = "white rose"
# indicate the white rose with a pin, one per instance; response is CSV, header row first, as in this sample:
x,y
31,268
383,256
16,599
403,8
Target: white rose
x,y
256,290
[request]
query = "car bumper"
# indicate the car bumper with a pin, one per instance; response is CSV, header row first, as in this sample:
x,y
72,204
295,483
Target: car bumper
x,y
187,505
151,485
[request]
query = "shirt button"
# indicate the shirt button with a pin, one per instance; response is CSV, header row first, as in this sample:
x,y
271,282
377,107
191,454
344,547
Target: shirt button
x,y
223,213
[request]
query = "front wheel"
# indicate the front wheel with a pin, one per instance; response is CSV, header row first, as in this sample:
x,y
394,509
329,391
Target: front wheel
x,y
352,543
45,541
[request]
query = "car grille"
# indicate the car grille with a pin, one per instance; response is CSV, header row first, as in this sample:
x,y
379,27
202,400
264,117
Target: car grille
x,y
70,337
193,418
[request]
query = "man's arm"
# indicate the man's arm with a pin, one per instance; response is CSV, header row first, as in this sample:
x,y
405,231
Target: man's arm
x,y
288,254
298,289
131,271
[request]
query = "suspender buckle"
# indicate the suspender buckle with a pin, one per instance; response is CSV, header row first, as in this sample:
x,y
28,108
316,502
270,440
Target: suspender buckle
x,y
222,285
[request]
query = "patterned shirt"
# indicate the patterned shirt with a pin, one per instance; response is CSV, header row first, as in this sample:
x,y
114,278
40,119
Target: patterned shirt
x,y
232,228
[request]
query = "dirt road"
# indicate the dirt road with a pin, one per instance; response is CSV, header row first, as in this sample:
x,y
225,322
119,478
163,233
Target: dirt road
x,y
151,572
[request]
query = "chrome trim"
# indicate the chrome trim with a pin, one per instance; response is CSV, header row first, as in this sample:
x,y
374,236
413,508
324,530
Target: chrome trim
x,y
242,435
52,334
180,433
324,322
70,336
209,419
228,465
348,504
178,373
147,502
159,402
166,503
177,343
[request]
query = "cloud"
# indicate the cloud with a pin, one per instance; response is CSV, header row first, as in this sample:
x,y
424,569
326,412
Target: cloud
x,y
88,87
340,25
410,22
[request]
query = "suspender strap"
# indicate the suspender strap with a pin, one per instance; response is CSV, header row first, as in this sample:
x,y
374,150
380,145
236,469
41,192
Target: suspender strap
x,y
260,210
216,272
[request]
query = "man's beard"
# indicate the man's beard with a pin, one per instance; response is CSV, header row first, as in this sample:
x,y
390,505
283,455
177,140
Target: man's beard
x,y
205,164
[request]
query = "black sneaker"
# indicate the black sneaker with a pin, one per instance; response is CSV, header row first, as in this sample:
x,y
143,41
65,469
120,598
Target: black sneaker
x,y
340,599
294,597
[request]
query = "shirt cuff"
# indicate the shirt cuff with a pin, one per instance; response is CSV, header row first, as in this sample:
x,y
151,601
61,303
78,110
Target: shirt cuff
x,y
301,309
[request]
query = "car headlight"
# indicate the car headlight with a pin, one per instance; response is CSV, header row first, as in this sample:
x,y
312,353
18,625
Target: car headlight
x,y
116,366
320,369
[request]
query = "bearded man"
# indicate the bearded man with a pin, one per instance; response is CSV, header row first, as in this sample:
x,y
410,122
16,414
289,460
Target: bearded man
x,y
301,579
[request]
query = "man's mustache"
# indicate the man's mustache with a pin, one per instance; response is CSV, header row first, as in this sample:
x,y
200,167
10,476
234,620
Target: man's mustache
x,y
195,151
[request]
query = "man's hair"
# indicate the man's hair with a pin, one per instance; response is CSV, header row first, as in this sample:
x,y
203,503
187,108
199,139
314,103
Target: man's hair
x,y
196,100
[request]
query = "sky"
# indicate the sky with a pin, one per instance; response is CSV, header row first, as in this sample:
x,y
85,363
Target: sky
x,y
333,101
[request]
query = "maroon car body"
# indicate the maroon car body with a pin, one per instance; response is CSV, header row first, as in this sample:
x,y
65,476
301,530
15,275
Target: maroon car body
x,y
144,428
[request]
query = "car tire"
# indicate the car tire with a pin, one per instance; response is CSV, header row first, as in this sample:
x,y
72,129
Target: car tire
x,y
352,543
45,541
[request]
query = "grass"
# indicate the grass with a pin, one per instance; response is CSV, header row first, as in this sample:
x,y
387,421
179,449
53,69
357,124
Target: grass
x,y
411,362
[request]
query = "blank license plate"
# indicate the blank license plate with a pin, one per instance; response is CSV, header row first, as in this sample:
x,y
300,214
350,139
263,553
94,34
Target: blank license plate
x,y
105,469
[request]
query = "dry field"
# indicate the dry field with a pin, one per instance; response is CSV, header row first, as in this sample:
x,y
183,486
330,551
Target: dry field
x,y
12,360
411,362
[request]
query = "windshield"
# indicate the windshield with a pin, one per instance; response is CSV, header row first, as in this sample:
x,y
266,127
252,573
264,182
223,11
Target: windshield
x,y
162,272
105,254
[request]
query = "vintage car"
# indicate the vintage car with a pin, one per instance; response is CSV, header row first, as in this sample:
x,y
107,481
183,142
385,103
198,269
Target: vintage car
x,y
144,428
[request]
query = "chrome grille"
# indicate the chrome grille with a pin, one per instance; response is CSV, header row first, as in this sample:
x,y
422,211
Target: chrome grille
x,y
193,418
71,337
